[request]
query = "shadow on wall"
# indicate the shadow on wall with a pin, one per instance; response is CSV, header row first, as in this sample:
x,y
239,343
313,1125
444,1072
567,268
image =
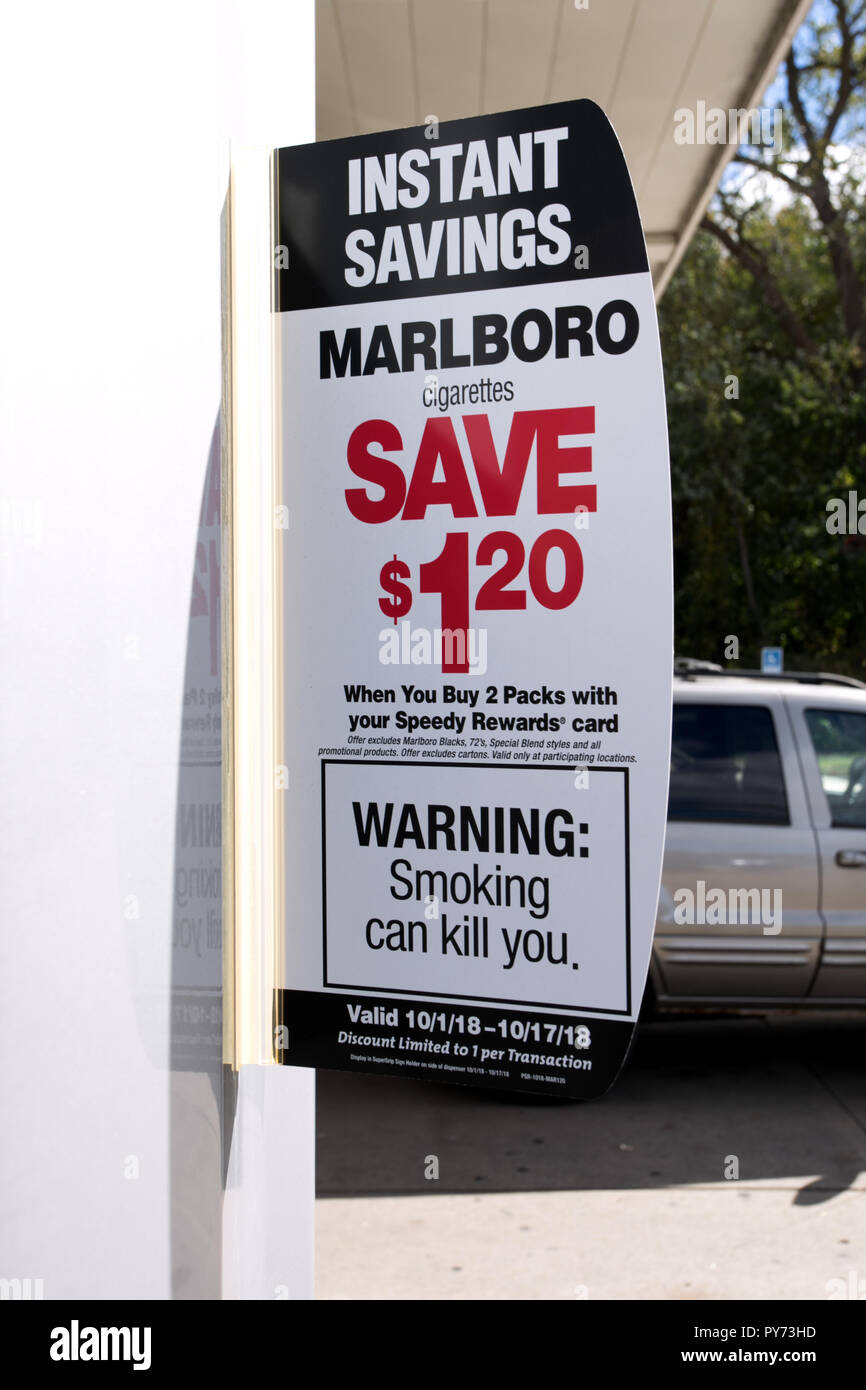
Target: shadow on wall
x,y
201,1091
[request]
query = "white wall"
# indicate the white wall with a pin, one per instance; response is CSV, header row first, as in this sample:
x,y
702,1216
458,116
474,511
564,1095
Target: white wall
x,y
112,127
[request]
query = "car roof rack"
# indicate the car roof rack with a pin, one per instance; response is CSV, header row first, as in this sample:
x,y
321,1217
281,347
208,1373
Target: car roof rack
x,y
689,668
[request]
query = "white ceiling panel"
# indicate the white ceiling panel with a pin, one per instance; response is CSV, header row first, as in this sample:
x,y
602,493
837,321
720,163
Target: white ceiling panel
x,y
449,87
519,51
590,50
380,53
661,49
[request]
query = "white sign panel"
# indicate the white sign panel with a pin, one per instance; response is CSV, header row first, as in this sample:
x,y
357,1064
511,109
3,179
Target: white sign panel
x,y
476,601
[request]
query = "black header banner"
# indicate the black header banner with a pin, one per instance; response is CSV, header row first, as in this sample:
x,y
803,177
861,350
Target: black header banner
x,y
454,206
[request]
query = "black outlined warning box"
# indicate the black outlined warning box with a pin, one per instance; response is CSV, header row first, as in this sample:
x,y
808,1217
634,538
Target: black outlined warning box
x,y
495,882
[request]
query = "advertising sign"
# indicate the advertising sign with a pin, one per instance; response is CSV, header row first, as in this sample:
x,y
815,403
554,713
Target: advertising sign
x,y
476,601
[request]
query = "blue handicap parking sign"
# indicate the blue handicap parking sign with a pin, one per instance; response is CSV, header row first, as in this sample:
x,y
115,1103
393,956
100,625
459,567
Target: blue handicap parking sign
x,y
771,658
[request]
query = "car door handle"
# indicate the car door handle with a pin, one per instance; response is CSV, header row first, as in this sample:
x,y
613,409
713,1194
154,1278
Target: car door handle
x,y
851,858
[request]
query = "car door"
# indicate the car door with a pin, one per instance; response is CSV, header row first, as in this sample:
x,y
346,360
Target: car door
x,y
741,850
832,733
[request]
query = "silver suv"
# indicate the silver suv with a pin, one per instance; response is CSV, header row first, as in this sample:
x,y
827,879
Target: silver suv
x,y
763,898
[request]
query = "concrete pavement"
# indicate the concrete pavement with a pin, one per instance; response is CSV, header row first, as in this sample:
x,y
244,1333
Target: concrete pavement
x,y
728,1162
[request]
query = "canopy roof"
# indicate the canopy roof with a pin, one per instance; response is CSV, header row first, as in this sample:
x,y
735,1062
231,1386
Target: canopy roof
x,y
381,64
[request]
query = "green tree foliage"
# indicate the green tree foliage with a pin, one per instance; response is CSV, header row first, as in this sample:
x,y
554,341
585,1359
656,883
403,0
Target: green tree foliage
x,y
764,341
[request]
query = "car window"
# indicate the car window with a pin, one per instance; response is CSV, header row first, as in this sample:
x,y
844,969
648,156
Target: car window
x,y
725,766
839,739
